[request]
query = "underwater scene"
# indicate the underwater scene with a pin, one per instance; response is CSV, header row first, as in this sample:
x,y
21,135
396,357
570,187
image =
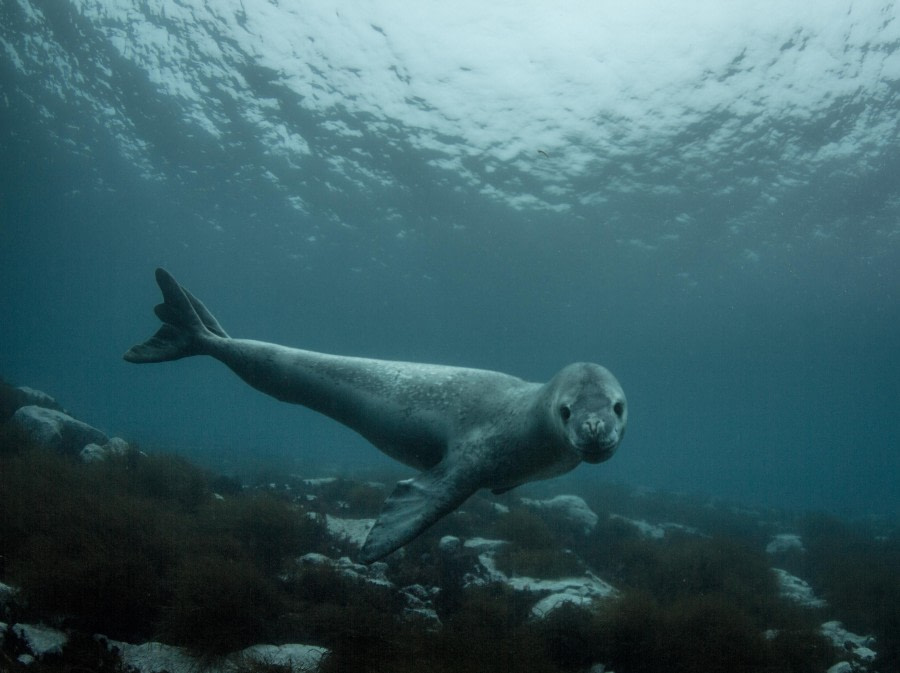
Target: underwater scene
x,y
392,336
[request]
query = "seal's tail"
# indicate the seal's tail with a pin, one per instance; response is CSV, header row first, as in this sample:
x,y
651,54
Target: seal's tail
x,y
186,323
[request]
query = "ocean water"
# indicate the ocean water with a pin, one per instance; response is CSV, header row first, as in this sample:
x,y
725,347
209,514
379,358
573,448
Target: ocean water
x,y
702,196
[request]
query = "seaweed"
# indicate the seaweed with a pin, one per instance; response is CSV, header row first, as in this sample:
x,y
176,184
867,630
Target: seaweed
x,y
161,477
354,619
354,498
569,637
140,546
855,569
682,565
81,550
219,605
14,439
137,547
699,633
490,631
534,550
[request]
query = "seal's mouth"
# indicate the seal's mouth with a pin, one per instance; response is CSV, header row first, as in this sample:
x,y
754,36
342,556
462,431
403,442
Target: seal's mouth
x,y
597,453
594,458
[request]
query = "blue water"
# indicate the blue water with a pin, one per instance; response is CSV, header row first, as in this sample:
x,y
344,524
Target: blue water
x,y
706,202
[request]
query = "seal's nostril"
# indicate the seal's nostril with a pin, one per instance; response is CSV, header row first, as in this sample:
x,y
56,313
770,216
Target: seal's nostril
x,y
593,427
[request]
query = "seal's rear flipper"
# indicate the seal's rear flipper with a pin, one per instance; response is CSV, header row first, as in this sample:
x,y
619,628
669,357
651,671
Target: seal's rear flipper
x,y
186,321
414,505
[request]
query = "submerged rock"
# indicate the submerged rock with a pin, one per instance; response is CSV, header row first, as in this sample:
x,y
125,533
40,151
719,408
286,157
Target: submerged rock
x,y
859,647
7,593
570,507
12,399
481,544
94,452
784,543
420,604
353,531
30,396
160,658
550,594
375,573
56,430
796,589
450,545
41,640
657,531
575,591
294,657
841,667
417,598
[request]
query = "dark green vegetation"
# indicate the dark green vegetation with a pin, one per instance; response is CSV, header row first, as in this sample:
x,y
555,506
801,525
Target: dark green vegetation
x,y
533,549
138,547
142,547
859,575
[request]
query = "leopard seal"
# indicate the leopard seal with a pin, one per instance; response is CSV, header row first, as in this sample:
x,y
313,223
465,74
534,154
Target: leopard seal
x,y
464,429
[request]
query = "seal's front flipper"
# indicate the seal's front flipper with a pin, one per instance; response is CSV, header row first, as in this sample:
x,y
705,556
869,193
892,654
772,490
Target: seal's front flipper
x,y
185,322
415,505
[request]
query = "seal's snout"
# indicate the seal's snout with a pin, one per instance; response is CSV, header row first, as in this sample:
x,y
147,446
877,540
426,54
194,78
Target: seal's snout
x,y
600,429
592,427
598,436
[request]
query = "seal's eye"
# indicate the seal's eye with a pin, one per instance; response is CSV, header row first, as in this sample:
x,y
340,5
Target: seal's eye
x,y
619,409
565,412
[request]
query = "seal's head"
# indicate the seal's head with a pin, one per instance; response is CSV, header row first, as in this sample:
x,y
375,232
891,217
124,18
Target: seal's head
x,y
588,410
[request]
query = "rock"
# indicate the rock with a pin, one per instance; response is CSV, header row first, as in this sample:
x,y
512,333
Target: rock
x,y
796,589
570,507
657,531
56,430
483,572
30,396
294,657
7,593
480,544
449,545
375,573
322,481
554,601
353,531
646,529
841,667
577,590
152,657
159,658
41,640
784,543
314,559
12,399
835,631
420,604
865,654
7,597
552,594
419,599
94,452
860,647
